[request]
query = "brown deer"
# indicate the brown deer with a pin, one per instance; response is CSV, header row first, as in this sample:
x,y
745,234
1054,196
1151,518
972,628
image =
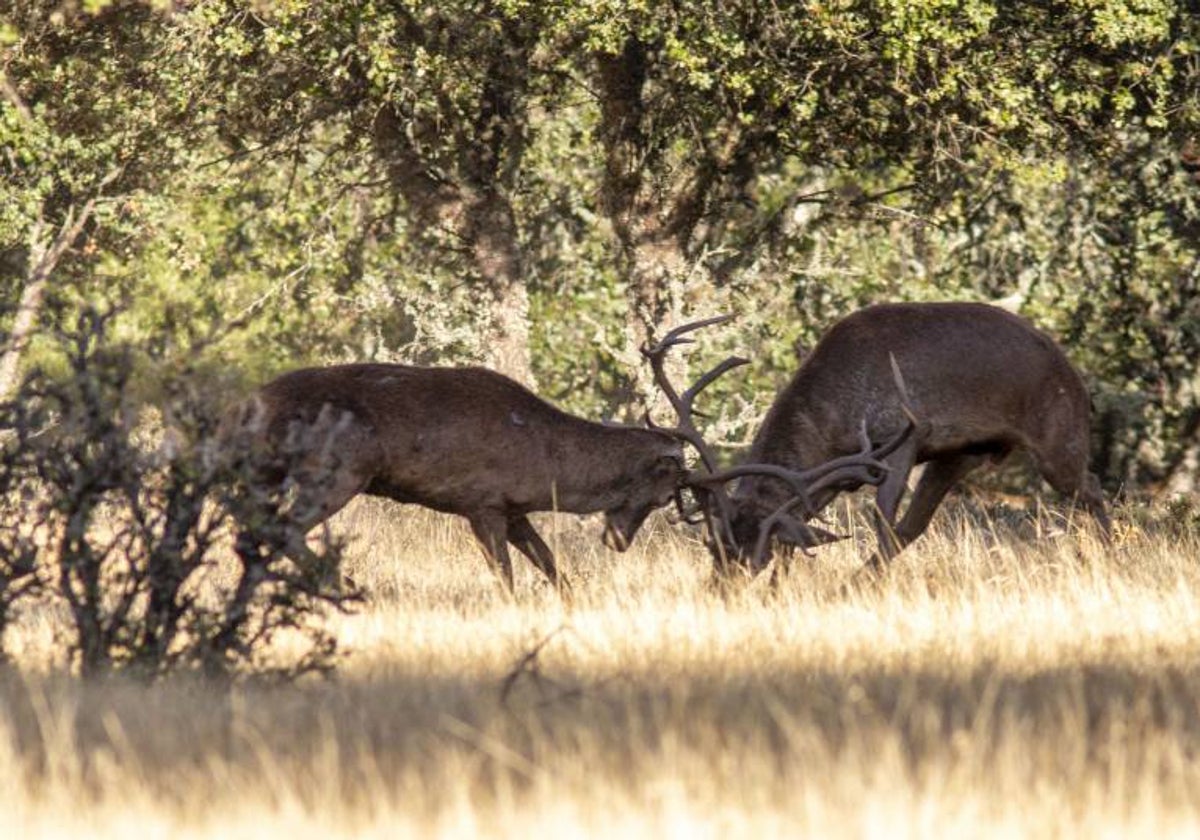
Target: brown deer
x,y
798,487
467,441
982,381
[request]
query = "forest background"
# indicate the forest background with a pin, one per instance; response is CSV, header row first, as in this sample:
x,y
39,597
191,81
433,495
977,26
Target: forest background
x,y
538,186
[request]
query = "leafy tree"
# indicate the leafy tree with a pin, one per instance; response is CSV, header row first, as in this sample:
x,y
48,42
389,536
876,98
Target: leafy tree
x,y
425,182
701,103
94,110
429,102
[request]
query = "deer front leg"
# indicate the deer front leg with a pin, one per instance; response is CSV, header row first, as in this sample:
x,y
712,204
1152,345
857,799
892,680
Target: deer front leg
x,y
887,504
491,529
522,534
313,507
935,483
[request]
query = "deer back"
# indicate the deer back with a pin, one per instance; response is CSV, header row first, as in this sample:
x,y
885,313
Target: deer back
x,y
458,439
981,378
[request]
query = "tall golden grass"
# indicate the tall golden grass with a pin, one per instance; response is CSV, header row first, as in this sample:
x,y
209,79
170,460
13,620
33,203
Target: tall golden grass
x,y
1003,680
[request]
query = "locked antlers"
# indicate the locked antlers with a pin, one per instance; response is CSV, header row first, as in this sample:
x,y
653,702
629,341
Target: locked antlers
x,y
713,500
867,466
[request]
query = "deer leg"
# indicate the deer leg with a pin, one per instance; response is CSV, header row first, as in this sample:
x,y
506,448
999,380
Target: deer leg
x,y
1093,499
935,483
287,533
939,476
311,511
491,529
1061,453
887,503
529,542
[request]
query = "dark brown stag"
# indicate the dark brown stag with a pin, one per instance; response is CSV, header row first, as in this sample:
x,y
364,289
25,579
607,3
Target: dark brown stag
x,y
984,382
865,464
459,440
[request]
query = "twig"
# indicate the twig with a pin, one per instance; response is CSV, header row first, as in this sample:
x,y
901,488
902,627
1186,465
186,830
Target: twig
x,y
529,664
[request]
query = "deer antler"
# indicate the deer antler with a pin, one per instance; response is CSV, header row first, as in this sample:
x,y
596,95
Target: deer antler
x,y
867,466
863,467
686,429
682,403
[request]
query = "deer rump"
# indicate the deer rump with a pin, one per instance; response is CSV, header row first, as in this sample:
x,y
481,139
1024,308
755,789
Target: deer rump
x,y
466,441
983,381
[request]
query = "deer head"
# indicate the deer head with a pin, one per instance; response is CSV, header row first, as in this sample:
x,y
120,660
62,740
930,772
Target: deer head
x,y
651,484
740,538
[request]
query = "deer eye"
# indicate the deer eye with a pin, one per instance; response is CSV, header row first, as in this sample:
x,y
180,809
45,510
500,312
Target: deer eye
x,y
666,465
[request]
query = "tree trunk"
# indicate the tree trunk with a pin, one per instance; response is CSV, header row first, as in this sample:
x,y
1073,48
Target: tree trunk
x,y
1183,474
509,334
483,217
43,259
656,273
28,309
1182,479
653,221
491,229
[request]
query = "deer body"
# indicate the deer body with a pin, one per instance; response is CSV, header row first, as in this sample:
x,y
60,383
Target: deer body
x,y
466,441
983,381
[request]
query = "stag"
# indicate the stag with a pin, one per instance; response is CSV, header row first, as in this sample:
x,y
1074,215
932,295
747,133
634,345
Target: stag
x,y
728,538
466,441
984,383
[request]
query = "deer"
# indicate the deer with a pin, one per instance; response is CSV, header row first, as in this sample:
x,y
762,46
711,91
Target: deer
x,y
978,383
459,440
849,470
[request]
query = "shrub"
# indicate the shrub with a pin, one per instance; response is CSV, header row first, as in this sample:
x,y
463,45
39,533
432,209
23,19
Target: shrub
x,y
133,537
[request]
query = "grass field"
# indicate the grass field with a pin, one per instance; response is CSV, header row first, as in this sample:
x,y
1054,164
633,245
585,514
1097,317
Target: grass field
x,y
1006,679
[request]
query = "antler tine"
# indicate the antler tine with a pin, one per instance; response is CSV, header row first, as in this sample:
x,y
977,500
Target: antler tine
x,y
759,560
712,376
682,403
905,400
715,508
693,515
868,458
656,353
865,467
782,519
707,480
674,337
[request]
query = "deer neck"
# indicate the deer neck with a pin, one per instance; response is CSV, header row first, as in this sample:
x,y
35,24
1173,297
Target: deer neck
x,y
790,439
595,472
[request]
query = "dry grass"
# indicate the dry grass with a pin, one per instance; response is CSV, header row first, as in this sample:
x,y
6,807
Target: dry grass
x,y
994,685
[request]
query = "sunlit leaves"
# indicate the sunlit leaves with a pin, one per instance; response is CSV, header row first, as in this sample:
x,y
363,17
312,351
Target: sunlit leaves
x,y
851,150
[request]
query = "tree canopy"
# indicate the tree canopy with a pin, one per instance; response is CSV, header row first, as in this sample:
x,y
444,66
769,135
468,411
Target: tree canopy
x,y
541,186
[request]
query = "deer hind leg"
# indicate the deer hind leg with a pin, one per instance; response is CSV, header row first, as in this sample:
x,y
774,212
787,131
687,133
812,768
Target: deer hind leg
x,y
312,505
1060,449
491,529
522,534
1092,498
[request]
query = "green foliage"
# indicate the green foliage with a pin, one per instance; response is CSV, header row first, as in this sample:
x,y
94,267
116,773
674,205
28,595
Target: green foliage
x,y
838,153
